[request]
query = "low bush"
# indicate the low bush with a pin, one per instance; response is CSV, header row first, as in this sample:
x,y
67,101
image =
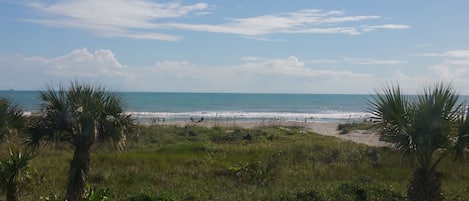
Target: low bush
x,y
271,163
345,128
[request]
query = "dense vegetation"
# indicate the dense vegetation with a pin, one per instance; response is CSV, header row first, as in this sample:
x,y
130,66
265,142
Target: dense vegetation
x,y
426,128
271,163
198,163
81,115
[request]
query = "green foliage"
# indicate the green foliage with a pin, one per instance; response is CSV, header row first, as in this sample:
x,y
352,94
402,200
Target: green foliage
x,y
362,191
355,191
257,172
345,128
11,118
426,127
51,197
15,170
425,185
151,197
93,194
81,115
295,165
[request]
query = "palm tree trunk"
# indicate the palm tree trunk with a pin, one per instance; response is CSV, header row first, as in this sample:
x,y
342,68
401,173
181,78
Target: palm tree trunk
x,y
12,193
79,168
425,185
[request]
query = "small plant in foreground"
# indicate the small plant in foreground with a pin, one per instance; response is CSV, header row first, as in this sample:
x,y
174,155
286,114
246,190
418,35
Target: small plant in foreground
x,y
151,197
15,170
93,194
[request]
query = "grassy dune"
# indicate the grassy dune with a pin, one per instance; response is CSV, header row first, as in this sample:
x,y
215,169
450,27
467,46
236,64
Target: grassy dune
x,y
271,163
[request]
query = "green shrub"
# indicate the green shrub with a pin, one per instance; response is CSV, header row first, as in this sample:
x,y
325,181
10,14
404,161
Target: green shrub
x,y
150,197
365,191
345,128
309,196
93,194
257,172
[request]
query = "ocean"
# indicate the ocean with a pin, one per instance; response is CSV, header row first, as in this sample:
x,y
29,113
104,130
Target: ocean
x,y
166,107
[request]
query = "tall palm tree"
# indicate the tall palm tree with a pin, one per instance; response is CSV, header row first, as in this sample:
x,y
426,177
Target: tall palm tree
x,y
426,127
14,169
81,115
11,118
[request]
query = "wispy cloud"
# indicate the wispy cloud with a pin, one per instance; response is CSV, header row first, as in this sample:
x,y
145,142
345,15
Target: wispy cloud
x,y
376,61
450,54
361,61
367,28
102,66
98,66
457,54
324,61
251,74
454,57
449,65
292,66
144,19
303,21
118,18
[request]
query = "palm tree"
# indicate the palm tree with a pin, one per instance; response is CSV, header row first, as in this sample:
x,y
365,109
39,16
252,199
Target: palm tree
x,y
13,171
426,127
11,118
80,115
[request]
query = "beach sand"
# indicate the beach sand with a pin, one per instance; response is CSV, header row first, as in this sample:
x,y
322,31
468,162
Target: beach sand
x,y
330,129
361,136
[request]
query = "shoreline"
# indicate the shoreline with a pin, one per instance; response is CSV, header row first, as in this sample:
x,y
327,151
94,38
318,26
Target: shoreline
x,y
366,137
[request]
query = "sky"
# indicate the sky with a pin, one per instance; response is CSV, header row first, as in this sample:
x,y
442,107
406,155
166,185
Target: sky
x,y
239,46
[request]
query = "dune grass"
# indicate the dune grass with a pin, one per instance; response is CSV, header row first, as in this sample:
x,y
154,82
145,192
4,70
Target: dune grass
x,y
271,163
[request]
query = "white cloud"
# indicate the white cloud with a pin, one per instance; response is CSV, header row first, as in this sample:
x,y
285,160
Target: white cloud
x,y
367,28
445,72
361,61
82,63
144,19
453,66
303,21
251,58
457,54
375,61
118,18
429,54
35,72
454,57
292,66
253,74
325,61
448,54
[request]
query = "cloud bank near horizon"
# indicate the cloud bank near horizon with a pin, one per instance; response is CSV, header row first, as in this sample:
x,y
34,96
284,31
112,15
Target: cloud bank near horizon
x,y
251,74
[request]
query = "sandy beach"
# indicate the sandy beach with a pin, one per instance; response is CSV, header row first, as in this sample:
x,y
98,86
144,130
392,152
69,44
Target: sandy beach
x,y
361,136
330,129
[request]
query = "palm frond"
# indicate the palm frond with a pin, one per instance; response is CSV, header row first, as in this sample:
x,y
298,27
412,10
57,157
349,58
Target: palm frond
x,y
11,117
15,169
422,124
461,148
390,109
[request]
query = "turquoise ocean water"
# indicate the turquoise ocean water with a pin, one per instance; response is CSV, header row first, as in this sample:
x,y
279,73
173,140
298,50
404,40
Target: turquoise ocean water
x,y
147,107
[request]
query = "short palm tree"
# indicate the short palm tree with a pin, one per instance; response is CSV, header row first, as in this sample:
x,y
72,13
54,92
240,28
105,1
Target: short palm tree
x,y
11,118
14,170
426,127
81,115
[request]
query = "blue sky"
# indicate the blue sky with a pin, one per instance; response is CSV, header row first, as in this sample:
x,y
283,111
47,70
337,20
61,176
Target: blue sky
x,y
301,46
